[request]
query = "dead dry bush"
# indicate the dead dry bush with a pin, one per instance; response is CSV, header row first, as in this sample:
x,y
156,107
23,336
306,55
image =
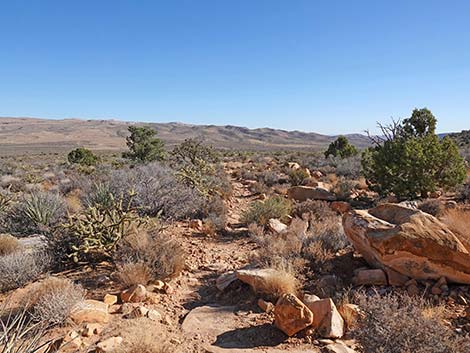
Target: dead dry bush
x,y
433,207
154,253
277,284
19,268
401,324
313,210
53,299
8,244
458,220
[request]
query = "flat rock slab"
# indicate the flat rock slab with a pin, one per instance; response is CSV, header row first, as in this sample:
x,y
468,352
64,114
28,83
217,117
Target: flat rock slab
x,y
229,332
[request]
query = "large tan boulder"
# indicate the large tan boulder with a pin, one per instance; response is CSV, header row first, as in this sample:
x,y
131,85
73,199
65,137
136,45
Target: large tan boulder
x,y
291,315
303,193
326,318
408,241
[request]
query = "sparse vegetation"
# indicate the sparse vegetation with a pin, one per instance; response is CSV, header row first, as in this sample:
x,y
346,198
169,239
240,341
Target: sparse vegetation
x,y
401,324
261,212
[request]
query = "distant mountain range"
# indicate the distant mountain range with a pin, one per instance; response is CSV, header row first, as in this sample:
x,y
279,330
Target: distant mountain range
x,y
32,134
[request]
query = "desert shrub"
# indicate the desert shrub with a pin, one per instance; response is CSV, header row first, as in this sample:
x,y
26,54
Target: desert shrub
x,y
53,299
6,200
96,231
8,244
163,256
348,167
37,212
157,192
297,177
143,145
401,324
464,192
344,188
82,156
433,207
269,178
314,210
19,268
278,283
198,167
329,231
261,211
340,148
411,161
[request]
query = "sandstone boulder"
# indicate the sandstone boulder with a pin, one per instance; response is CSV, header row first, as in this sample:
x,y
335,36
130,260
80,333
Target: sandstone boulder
x,y
291,315
276,225
326,318
408,241
303,193
257,278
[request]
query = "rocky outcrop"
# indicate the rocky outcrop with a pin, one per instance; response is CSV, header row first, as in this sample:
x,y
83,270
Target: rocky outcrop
x,y
408,241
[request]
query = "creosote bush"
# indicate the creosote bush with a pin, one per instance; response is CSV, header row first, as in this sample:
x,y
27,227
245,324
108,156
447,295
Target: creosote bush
x,y
261,211
401,324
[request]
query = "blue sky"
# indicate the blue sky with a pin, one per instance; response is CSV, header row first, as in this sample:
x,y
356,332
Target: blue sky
x,y
324,66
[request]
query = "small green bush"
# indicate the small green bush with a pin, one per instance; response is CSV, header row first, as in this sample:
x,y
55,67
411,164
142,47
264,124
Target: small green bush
x,y
261,211
82,156
298,176
341,148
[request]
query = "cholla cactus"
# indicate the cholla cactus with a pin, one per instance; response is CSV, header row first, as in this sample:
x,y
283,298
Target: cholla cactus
x,y
99,229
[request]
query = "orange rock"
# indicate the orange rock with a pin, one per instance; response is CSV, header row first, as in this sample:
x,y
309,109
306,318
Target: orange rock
x,y
134,294
90,311
110,299
326,318
291,315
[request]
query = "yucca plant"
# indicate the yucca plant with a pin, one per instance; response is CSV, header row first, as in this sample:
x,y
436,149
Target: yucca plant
x,y
19,334
37,212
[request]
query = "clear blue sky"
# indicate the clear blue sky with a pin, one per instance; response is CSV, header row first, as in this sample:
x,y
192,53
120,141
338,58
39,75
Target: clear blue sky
x,y
326,66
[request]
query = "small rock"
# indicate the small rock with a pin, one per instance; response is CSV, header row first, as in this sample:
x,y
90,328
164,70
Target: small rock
x,y
90,311
154,315
276,225
374,277
134,294
310,298
168,289
291,315
109,345
265,306
140,311
350,314
110,299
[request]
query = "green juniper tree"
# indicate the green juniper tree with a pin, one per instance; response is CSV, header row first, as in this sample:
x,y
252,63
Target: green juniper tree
x,y
410,160
340,148
143,145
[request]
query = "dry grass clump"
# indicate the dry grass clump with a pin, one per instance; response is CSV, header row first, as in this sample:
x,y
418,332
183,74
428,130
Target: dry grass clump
x,y
132,273
155,255
143,336
19,268
8,244
278,283
401,324
53,299
458,220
